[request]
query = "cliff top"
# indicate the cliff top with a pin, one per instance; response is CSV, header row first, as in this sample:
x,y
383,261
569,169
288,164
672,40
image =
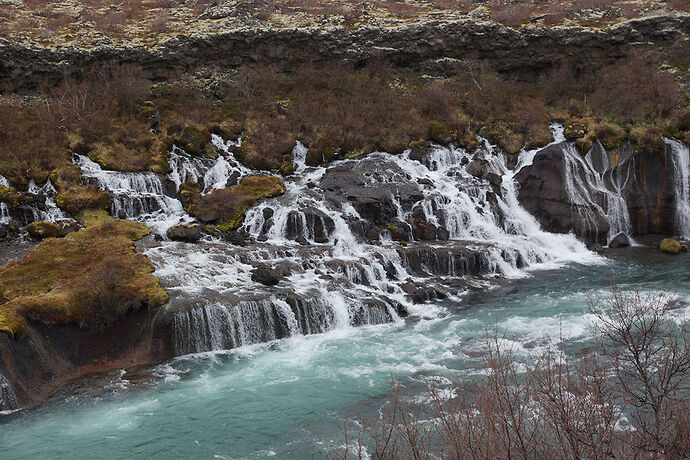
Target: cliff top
x,y
93,23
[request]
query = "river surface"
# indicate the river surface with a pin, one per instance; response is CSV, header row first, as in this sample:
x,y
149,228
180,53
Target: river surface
x,y
284,399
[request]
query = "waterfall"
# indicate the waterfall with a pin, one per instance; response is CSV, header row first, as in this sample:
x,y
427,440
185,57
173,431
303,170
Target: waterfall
x,y
588,194
134,195
210,174
680,157
50,211
8,399
4,213
4,210
215,326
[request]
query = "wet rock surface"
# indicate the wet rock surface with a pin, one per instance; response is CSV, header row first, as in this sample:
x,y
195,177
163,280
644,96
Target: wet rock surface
x,y
185,232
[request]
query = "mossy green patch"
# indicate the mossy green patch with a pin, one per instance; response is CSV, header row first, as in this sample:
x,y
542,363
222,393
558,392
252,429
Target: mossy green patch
x,y
226,207
10,196
78,197
90,278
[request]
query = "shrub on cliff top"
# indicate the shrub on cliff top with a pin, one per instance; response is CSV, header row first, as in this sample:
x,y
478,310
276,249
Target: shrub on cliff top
x,y
90,278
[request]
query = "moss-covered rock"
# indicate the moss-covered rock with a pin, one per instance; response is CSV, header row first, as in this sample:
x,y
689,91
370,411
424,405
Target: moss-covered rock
x,y
226,207
90,278
575,130
193,138
10,196
500,134
79,197
610,135
439,133
322,151
646,139
670,246
41,230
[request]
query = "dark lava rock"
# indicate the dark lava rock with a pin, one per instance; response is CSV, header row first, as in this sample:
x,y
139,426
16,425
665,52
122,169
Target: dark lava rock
x,y
302,240
69,227
262,238
184,232
494,179
477,168
265,275
620,241
311,222
372,187
543,193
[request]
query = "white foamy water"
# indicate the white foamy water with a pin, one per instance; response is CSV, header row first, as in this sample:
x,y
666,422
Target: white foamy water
x,y
135,195
680,157
50,211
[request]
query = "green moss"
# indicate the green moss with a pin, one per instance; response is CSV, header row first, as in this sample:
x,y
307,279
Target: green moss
x,y
10,196
439,133
90,278
226,207
322,151
41,230
646,139
91,217
611,136
80,197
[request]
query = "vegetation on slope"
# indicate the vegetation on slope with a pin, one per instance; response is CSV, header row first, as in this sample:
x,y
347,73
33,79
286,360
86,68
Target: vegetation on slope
x,y
148,21
90,278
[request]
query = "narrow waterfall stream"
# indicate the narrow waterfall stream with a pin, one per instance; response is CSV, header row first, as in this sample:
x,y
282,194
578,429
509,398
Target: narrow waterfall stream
x,y
588,192
4,210
680,156
8,400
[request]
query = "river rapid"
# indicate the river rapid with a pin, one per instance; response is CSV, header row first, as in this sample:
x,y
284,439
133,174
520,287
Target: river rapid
x,y
284,398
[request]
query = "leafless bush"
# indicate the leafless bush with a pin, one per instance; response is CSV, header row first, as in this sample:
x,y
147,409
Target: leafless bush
x,y
628,399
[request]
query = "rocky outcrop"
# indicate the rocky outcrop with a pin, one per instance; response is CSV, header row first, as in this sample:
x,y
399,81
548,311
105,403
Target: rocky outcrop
x,y
544,194
185,232
432,43
650,194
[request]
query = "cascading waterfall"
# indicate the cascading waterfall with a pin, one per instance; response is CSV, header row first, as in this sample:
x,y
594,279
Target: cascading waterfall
x,y
50,211
588,194
8,399
680,156
134,195
4,210
210,174
337,280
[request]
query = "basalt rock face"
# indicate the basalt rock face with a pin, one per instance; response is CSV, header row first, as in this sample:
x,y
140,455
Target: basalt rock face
x,y
47,357
432,43
568,191
650,195
544,194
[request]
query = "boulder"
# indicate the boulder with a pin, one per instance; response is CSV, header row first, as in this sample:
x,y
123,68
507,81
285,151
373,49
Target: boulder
x,y
265,275
620,241
185,232
69,227
670,246
40,230
494,179
477,168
